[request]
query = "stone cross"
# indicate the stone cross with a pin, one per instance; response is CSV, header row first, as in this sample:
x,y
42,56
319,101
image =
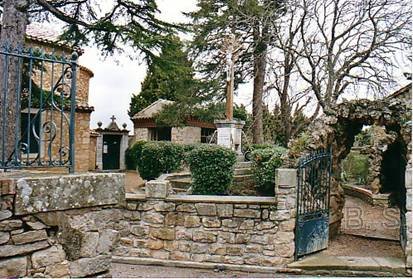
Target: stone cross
x,y
231,49
113,118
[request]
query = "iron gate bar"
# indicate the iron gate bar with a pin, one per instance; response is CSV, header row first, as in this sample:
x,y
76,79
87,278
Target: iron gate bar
x,y
46,134
313,202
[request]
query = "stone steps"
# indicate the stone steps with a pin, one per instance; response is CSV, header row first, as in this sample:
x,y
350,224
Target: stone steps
x,y
349,266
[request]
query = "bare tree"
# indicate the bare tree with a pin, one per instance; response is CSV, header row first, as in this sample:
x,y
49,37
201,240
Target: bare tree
x,y
348,45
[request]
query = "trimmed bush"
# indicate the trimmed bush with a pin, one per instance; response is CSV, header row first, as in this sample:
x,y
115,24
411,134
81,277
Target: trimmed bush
x,y
160,157
212,169
265,161
133,154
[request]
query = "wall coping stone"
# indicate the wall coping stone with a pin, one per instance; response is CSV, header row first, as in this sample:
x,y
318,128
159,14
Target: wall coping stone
x,y
135,197
62,192
222,199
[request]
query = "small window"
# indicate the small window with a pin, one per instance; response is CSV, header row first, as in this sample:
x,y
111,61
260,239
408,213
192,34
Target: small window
x,y
26,131
206,134
160,133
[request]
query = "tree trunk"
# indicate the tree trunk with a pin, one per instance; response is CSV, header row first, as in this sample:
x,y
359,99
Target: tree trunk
x,y
260,60
13,32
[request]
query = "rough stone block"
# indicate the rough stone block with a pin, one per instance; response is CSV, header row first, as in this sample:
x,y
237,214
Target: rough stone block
x,y
157,189
164,206
5,214
408,178
183,234
202,236
88,248
211,222
162,233
30,236
13,250
233,260
186,207
283,237
90,266
247,213
107,240
259,239
10,225
192,221
217,249
207,209
4,237
285,178
139,230
158,254
230,223
154,244
153,217
265,226
285,250
58,270
180,256
226,237
13,268
253,248
247,225
199,248
62,192
225,210
170,246
241,238
36,225
47,257
287,226
234,250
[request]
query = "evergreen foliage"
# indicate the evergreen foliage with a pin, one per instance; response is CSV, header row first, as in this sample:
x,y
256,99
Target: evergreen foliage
x,y
169,76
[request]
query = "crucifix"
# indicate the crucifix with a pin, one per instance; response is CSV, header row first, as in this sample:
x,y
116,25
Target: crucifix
x,y
231,49
113,118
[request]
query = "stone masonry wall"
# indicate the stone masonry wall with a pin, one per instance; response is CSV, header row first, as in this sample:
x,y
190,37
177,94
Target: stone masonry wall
x,y
186,135
141,134
225,230
408,215
43,233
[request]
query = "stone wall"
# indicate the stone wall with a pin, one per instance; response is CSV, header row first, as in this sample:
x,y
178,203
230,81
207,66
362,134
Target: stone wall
x,y
225,230
186,135
141,134
92,152
408,215
58,226
82,141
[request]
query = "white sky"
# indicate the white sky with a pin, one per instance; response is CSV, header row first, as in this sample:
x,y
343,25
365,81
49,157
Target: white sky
x,y
117,78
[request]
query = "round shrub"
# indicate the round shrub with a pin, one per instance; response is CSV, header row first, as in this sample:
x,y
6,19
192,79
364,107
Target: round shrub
x,y
133,154
212,169
160,157
265,161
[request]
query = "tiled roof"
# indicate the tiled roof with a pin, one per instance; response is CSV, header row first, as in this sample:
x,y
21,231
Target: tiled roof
x,y
152,109
41,33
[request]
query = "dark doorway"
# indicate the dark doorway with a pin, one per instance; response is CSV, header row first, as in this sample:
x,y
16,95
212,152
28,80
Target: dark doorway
x,y
160,133
111,152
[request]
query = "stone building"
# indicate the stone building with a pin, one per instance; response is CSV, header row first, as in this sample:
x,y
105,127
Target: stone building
x,y
111,144
39,38
145,127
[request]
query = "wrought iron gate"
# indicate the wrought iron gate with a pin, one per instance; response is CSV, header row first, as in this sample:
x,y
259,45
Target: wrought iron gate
x,y
313,192
37,108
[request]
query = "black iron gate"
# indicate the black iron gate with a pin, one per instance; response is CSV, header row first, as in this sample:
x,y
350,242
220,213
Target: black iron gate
x,y
313,192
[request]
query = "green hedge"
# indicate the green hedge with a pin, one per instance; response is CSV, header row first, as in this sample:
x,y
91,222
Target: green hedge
x,y
160,157
133,154
212,169
265,161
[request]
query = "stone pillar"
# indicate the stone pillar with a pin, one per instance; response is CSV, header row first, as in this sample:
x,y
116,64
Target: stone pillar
x,y
157,189
230,134
99,152
123,146
408,250
286,197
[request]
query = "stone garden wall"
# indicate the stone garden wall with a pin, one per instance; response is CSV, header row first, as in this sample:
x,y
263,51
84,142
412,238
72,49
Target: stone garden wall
x,y
59,226
210,229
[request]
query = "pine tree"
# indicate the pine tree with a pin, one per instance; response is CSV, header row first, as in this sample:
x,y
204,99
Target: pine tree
x,y
169,76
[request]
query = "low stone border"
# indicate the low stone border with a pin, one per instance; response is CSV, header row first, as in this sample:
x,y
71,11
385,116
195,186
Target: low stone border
x,y
188,264
381,200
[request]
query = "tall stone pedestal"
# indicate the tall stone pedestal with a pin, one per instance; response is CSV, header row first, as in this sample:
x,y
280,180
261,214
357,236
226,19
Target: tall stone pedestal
x,y
230,134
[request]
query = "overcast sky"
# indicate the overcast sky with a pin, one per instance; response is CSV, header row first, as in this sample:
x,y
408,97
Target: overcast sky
x,y
117,78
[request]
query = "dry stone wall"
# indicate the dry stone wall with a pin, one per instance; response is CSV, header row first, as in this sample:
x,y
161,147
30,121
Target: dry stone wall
x,y
223,230
40,239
